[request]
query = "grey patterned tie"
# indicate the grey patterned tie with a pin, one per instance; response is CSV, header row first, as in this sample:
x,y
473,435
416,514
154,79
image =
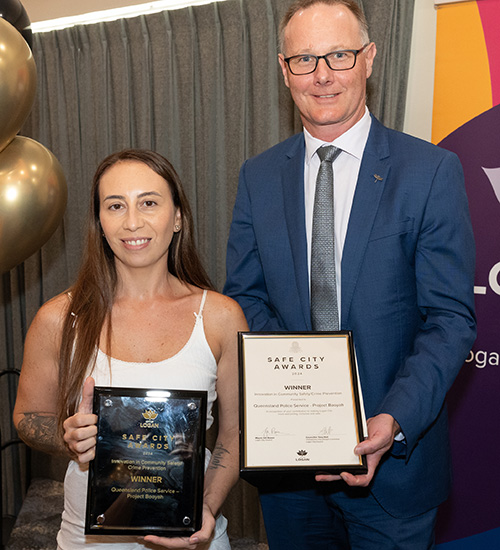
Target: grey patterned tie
x,y
324,305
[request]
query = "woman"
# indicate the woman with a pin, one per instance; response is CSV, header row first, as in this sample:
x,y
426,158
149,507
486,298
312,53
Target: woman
x,y
141,314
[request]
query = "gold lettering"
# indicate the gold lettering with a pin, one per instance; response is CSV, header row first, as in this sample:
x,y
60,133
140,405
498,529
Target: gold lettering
x,y
146,479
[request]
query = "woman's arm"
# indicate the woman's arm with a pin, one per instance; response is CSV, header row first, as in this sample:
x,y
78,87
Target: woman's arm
x,y
35,411
223,469
223,319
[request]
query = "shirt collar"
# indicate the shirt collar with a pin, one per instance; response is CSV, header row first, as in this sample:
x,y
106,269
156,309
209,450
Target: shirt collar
x,y
352,141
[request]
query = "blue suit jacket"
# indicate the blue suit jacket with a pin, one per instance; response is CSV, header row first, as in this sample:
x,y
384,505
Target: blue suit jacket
x,y
407,288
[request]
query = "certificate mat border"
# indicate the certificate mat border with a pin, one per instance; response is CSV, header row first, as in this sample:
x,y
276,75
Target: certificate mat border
x,y
254,473
198,481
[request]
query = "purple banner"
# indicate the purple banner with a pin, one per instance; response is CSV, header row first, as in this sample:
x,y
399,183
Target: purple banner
x,y
474,506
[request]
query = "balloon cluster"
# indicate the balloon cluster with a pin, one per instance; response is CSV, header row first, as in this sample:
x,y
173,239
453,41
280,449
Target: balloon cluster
x,y
33,190
13,12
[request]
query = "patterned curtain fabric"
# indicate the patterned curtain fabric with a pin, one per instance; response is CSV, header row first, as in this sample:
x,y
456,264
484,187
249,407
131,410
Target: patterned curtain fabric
x,y
200,85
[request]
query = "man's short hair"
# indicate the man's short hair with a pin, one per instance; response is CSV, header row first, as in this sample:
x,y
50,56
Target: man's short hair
x,y
304,4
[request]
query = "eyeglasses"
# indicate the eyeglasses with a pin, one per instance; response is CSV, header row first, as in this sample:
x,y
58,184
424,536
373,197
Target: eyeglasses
x,y
340,60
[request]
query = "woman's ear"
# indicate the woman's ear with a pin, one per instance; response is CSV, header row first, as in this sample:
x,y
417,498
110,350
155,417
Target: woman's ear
x,y
178,221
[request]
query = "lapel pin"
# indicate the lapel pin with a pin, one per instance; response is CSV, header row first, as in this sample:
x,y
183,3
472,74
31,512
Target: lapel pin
x,y
377,178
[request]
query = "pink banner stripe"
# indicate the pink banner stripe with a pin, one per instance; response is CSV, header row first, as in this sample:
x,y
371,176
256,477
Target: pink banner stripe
x,y
490,17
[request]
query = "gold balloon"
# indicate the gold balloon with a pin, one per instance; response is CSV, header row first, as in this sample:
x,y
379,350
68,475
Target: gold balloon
x,y
17,81
33,197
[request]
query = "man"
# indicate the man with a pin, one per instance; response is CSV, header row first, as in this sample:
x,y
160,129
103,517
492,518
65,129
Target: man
x,y
404,283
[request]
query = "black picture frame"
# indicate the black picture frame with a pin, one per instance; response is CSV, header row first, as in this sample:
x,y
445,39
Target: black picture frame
x,y
301,406
148,471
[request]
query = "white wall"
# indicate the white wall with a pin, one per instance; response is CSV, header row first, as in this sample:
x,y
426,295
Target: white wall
x,y
42,10
418,118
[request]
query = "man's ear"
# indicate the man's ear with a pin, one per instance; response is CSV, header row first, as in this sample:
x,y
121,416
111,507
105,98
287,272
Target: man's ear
x,y
370,53
284,69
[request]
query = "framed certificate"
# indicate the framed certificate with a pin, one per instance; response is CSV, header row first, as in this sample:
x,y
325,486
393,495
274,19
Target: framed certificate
x,y
147,474
301,406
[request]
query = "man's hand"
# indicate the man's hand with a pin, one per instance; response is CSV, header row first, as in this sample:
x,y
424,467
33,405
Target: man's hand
x,y
381,432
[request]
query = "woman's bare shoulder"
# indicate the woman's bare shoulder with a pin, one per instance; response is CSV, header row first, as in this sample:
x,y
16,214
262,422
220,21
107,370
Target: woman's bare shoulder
x,y
224,318
224,309
51,315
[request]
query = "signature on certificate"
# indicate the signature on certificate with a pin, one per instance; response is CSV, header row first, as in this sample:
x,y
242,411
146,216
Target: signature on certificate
x,y
273,432
270,431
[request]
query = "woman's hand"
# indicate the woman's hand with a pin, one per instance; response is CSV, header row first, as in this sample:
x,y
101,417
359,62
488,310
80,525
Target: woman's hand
x,y
191,543
80,430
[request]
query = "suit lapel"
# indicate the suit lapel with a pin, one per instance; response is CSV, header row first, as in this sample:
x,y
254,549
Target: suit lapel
x,y
372,179
293,197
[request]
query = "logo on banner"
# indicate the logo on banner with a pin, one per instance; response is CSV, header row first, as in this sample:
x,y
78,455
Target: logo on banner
x,y
476,144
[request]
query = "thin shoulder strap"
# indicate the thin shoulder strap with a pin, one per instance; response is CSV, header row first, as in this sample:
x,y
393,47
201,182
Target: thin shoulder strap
x,y
202,304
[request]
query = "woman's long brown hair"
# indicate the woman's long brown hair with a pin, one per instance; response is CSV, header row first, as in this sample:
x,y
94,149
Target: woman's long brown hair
x,y
92,295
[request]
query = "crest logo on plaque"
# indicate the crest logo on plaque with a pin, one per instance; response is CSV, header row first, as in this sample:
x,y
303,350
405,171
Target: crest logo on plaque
x,y
149,415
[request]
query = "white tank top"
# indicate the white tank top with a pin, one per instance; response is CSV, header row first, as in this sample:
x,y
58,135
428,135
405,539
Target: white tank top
x,y
192,368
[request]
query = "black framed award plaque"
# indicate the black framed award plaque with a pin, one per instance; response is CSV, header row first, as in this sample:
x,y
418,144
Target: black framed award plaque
x,y
148,471
301,406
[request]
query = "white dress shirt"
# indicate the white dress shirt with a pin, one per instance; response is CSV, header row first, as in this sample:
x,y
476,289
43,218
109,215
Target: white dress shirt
x,y
345,174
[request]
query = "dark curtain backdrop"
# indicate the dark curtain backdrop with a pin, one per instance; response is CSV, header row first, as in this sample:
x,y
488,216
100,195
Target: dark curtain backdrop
x,y
200,85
